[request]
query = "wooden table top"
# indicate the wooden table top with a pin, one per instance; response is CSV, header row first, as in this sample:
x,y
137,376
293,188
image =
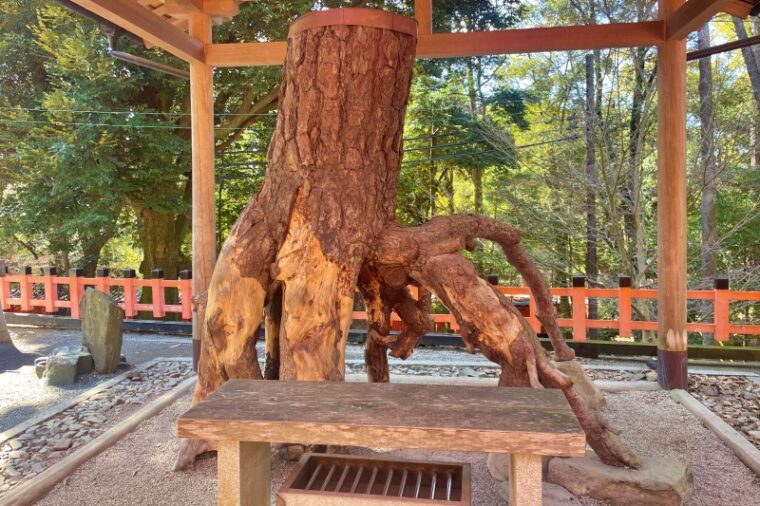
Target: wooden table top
x,y
455,418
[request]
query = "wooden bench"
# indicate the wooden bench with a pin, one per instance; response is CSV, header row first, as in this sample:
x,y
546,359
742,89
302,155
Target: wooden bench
x,y
245,416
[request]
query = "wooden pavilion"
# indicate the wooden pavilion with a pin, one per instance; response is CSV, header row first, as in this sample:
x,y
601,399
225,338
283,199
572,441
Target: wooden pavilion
x,y
184,29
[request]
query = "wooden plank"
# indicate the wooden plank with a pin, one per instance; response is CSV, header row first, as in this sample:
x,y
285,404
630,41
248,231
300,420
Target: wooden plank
x,y
692,15
671,207
244,472
423,13
525,487
203,198
448,45
536,40
144,23
740,8
520,420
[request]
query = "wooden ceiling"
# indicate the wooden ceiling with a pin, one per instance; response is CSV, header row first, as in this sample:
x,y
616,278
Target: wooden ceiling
x,y
176,11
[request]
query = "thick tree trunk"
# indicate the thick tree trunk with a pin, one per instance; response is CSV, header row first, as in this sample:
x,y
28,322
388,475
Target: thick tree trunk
x,y
592,267
750,60
709,173
323,225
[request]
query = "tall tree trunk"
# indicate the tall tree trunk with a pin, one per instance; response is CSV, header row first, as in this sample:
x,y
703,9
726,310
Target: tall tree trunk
x,y
161,235
324,224
592,268
709,173
749,60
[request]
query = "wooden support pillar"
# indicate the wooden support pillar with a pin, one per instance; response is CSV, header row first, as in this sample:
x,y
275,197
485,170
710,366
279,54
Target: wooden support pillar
x,y
244,474
423,12
671,208
525,487
204,207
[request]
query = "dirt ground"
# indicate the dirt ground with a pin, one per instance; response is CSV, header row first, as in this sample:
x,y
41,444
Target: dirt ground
x,y
137,469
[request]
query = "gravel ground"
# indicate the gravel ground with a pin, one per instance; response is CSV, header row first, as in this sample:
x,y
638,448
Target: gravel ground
x,y
28,454
137,469
24,397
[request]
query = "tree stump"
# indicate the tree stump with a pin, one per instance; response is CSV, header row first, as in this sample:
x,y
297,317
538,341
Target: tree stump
x,y
323,225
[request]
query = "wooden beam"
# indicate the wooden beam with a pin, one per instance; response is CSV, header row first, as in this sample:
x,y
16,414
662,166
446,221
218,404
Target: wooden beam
x,y
671,208
246,54
692,15
142,22
537,40
448,45
182,7
203,200
423,13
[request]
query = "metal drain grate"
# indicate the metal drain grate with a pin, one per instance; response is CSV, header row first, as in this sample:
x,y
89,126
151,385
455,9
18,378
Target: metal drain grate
x,y
381,482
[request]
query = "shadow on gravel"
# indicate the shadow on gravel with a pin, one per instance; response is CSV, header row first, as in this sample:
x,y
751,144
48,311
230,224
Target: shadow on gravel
x,y
11,358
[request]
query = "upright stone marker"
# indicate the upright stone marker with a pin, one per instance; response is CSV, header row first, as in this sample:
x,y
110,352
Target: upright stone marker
x,y
102,330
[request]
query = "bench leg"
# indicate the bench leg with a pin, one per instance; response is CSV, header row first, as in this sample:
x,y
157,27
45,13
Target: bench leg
x,y
525,480
244,474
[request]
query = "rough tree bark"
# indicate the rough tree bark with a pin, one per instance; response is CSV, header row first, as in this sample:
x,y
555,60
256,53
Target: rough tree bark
x,y
323,225
709,174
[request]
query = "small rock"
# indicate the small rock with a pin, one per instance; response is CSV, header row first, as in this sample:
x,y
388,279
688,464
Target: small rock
x,y
134,376
660,480
62,444
15,444
469,372
11,472
18,454
651,376
754,434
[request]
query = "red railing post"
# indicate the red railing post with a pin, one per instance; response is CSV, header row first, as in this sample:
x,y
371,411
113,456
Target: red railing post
x,y
186,293
102,275
157,291
51,289
5,287
722,312
130,308
579,308
75,291
624,306
25,287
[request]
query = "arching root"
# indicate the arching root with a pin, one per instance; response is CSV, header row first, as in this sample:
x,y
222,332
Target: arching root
x,y
429,256
442,235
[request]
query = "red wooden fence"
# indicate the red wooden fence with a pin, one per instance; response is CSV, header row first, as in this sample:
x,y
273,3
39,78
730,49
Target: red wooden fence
x,y
25,292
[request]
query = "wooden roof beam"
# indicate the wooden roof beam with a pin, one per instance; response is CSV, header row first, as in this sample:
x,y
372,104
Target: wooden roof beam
x,y
214,8
142,22
692,15
449,45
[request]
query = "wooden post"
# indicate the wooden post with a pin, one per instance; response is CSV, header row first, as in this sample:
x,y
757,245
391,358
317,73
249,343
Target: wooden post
x,y
579,308
244,474
204,206
186,292
525,487
5,287
157,290
101,280
75,291
423,12
624,306
671,208
721,310
130,308
51,292
25,289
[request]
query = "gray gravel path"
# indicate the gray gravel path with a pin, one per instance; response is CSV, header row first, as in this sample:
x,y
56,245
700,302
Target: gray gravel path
x,y
23,396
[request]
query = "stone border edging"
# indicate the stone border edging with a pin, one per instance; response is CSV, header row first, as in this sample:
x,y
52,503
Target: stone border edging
x,y
746,451
607,386
32,490
100,387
